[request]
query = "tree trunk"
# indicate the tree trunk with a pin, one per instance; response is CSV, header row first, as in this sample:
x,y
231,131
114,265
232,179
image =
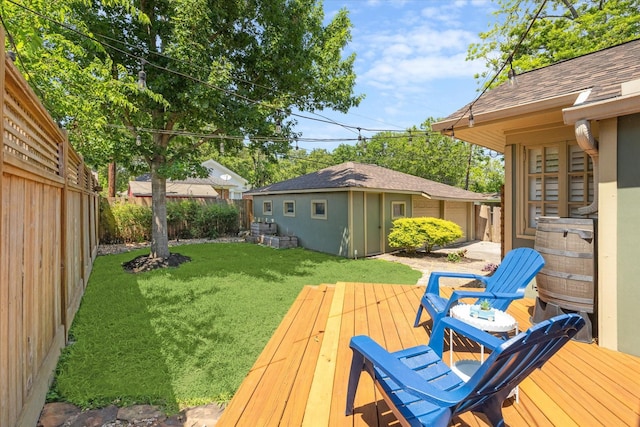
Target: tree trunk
x,y
111,178
159,234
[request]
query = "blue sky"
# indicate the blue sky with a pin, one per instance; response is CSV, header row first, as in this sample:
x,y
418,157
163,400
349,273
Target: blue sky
x,y
410,64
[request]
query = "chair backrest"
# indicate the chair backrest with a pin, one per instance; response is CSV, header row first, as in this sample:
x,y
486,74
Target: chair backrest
x,y
516,358
513,275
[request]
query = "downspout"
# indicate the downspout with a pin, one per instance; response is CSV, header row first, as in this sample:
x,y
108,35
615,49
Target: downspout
x,y
589,145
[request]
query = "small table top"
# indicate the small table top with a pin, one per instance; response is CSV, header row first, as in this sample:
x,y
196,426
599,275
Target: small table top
x,y
503,322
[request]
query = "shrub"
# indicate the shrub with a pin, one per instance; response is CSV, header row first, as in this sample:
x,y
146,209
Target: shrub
x,y
457,255
108,230
215,220
133,222
413,233
187,219
181,218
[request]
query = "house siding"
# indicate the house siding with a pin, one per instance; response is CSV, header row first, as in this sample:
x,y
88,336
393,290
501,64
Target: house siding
x,y
330,235
350,226
628,233
426,207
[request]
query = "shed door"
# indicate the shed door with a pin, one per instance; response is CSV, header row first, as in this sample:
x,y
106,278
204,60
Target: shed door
x,y
373,224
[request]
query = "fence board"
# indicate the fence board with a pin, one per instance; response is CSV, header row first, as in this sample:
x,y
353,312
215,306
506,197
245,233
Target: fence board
x,y
48,241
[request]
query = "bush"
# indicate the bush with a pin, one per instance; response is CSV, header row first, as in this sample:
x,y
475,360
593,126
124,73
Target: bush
x,y
187,219
411,234
217,219
181,218
133,222
107,231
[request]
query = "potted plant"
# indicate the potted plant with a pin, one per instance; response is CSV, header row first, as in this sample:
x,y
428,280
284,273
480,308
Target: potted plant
x,y
483,310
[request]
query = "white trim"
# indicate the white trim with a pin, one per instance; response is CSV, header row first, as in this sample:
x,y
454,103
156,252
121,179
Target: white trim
x,y
319,201
607,109
284,208
404,209
607,288
269,212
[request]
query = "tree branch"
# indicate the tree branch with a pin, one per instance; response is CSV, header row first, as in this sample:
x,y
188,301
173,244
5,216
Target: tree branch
x,y
572,10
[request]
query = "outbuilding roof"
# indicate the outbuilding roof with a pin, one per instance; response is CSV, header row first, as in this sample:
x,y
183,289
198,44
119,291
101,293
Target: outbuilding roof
x,y
359,176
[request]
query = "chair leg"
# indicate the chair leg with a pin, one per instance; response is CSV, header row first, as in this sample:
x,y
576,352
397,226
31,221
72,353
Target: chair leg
x,y
417,322
493,411
357,365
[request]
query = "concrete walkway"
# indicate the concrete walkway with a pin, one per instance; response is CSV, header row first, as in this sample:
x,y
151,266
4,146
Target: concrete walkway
x,y
478,256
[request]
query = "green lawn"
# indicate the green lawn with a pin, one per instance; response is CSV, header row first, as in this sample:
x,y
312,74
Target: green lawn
x,y
187,336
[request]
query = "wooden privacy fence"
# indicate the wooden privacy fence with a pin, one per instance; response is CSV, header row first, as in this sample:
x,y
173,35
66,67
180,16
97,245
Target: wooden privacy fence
x,y
488,223
48,241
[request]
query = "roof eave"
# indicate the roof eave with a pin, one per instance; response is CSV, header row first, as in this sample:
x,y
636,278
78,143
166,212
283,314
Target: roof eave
x,y
490,126
605,109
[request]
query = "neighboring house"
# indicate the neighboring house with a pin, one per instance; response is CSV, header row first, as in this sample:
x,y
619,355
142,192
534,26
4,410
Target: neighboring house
x,y
570,134
141,191
225,181
222,183
348,209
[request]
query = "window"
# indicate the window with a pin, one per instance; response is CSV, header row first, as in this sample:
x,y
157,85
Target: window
x,y
542,183
558,179
267,207
319,209
580,180
289,208
398,209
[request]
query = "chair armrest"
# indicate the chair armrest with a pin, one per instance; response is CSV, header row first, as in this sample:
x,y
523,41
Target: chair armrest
x,y
509,295
436,341
400,373
434,279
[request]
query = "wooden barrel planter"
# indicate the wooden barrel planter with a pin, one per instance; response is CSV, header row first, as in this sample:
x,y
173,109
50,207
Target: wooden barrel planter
x,y
567,281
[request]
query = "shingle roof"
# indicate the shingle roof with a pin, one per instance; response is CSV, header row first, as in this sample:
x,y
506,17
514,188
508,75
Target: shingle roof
x,y
358,175
602,72
174,189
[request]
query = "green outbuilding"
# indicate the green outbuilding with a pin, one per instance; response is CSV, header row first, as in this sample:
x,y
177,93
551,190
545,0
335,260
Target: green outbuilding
x,y
348,209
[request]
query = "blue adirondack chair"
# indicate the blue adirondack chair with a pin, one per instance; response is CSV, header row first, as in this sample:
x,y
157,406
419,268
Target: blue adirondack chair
x,y
422,390
507,283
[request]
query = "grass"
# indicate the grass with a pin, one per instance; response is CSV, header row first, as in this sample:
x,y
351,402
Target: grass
x,y
188,336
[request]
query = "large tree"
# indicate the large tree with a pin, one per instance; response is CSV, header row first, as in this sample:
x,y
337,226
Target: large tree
x,y
187,73
564,29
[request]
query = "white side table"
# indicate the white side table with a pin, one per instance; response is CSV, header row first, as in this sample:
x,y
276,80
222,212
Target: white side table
x,y
503,323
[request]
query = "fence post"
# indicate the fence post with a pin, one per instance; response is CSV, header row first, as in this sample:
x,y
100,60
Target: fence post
x,y
63,158
2,71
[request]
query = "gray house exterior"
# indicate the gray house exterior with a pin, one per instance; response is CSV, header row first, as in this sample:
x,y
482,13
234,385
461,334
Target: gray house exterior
x,y
348,209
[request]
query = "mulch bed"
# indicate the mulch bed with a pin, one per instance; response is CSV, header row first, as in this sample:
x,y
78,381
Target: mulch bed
x,y
147,263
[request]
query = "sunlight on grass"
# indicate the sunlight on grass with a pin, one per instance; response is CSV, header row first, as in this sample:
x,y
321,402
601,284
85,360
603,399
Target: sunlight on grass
x,y
188,336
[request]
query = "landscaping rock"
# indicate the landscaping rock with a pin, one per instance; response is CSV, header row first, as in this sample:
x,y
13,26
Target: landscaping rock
x,y
203,416
57,413
138,413
95,417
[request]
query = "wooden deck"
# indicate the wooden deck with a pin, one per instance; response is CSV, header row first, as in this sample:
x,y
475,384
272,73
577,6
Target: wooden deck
x,y
300,379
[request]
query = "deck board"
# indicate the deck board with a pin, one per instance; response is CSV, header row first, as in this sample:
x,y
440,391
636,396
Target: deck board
x,y
303,370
